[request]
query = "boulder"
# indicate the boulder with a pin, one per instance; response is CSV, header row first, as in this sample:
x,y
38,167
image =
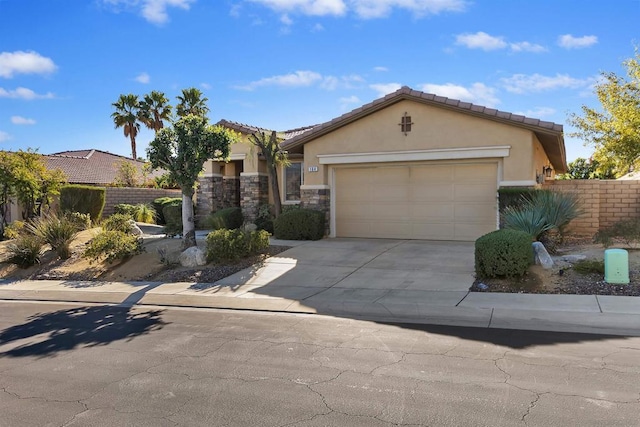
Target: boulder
x,y
192,257
542,257
136,230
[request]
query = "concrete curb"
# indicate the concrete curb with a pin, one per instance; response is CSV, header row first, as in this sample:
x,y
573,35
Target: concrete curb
x,y
561,313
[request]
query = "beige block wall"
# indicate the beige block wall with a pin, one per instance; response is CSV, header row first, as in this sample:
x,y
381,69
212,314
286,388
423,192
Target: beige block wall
x,y
133,196
605,202
433,128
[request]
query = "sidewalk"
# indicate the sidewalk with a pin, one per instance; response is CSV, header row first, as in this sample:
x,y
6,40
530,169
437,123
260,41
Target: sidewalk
x,y
566,313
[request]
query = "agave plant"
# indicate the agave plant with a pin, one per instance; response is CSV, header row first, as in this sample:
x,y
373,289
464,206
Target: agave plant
x,y
57,231
559,208
530,219
25,251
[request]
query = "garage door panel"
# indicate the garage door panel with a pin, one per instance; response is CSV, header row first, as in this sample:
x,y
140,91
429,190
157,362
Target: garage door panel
x,y
473,212
433,173
432,192
432,210
416,201
388,192
474,192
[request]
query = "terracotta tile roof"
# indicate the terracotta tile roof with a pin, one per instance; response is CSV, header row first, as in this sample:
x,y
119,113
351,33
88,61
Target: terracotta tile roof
x,y
90,166
549,133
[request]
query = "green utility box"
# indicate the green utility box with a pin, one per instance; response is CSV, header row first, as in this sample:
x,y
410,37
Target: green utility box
x,y
616,266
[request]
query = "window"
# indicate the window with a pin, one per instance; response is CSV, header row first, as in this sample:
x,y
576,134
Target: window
x,y
405,124
292,182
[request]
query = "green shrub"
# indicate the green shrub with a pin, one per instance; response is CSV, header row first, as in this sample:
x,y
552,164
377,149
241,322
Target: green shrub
x,y
514,197
264,218
125,208
173,219
503,253
25,251
229,245
627,232
145,213
83,199
229,218
57,231
118,222
541,211
81,221
299,224
14,230
159,204
112,245
589,266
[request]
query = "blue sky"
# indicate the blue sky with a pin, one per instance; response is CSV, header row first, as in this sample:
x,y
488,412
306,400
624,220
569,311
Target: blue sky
x,y
282,64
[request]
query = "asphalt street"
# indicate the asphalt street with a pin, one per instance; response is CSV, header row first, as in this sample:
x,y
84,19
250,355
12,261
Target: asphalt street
x,y
99,365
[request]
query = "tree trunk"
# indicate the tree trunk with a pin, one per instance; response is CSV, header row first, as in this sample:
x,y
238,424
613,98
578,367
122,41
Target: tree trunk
x,y
188,224
134,154
275,189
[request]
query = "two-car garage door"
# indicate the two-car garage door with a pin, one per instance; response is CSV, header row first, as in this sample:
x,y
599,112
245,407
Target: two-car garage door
x,y
440,201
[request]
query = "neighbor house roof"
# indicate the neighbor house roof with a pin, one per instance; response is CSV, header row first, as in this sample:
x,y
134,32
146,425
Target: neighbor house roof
x,y
249,129
91,166
549,134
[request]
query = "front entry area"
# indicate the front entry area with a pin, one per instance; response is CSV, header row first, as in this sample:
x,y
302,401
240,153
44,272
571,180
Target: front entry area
x,y
435,201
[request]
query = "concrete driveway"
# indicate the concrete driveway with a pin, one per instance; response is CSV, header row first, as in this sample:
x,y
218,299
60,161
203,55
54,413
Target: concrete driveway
x,y
358,271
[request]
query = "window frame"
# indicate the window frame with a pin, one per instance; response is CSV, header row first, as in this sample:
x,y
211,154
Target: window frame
x,y
284,182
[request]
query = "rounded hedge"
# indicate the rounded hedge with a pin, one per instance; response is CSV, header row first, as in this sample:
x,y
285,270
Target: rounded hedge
x,y
299,224
503,253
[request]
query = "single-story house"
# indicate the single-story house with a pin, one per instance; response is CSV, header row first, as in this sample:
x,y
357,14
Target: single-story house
x,y
408,165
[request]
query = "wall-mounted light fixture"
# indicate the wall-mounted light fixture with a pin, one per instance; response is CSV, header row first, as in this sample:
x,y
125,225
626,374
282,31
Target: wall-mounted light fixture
x,y
547,171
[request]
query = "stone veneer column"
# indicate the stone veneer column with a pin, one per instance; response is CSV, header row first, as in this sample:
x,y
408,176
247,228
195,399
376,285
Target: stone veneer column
x,y
318,198
230,191
209,194
254,191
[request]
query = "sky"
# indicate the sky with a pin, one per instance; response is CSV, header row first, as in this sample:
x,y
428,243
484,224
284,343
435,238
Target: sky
x,y
283,64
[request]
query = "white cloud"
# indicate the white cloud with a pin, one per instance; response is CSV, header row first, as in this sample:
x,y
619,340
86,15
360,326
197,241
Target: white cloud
x,y
527,47
20,62
19,120
481,40
477,93
317,28
286,20
348,102
368,9
154,11
385,88
143,78
4,136
23,93
205,86
538,112
304,79
487,42
380,69
568,41
365,9
523,83
306,7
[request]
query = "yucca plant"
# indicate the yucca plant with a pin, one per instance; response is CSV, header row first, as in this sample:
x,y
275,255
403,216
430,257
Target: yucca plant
x,y
25,250
530,219
57,231
559,208
145,213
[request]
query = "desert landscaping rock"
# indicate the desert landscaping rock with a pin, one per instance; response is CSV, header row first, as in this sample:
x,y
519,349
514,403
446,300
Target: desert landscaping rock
x,y
193,257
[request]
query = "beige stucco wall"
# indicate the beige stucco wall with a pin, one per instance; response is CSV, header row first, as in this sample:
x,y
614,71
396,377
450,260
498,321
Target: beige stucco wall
x,y
433,128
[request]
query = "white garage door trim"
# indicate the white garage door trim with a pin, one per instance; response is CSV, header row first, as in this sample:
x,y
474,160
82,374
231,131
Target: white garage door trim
x,y
332,181
416,155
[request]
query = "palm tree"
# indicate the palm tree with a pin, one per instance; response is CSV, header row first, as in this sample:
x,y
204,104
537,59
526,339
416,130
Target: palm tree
x,y
270,148
154,109
127,116
192,101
